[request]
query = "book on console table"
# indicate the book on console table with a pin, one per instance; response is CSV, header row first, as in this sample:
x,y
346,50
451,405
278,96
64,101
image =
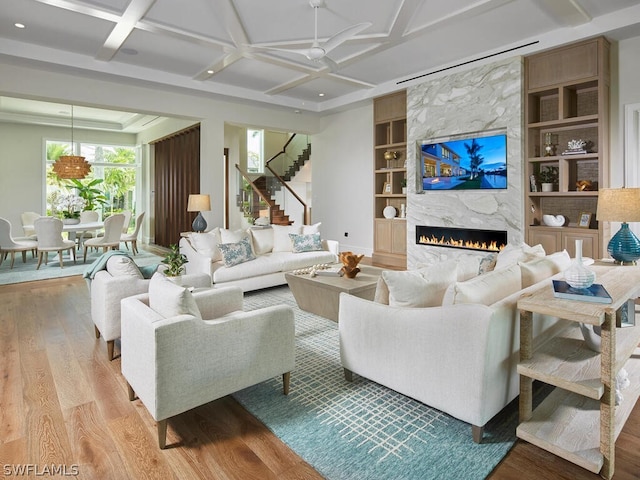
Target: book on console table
x,y
330,272
596,293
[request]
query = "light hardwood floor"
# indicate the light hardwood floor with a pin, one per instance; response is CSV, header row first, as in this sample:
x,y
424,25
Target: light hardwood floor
x,y
63,403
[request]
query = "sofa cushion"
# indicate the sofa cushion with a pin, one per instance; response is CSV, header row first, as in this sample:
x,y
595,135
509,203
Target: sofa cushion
x,y
121,265
262,240
207,243
308,229
468,266
485,289
169,299
537,270
236,253
512,254
420,288
305,243
231,236
281,240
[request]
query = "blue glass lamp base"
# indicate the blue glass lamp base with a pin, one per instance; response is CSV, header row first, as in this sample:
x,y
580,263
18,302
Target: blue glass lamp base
x,y
199,224
624,246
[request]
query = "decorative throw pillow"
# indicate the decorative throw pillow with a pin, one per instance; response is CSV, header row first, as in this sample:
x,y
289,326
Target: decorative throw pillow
x,y
236,253
486,289
420,288
121,265
262,240
539,269
512,254
468,266
169,299
281,240
305,243
207,243
488,263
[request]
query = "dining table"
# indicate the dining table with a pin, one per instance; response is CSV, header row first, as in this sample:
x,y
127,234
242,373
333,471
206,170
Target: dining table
x,y
74,228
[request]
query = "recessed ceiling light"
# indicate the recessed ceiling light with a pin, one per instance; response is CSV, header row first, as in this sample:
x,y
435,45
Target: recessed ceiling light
x,y
19,25
129,51
321,94
210,72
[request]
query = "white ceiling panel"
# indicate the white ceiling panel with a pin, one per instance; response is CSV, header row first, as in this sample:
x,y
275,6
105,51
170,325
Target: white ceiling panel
x,y
402,39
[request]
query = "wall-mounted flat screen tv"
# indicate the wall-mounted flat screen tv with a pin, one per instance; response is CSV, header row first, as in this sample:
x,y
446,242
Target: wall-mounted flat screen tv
x,y
464,162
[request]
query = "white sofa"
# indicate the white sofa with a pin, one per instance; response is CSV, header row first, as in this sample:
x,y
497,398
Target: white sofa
x,y
273,253
459,356
182,350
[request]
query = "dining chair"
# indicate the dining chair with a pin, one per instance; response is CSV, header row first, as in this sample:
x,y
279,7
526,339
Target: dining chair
x,y
49,233
133,237
27,219
127,220
87,216
111,238
9,245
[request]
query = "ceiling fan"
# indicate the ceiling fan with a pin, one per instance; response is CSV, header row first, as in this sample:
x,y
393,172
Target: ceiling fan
x,y
318,52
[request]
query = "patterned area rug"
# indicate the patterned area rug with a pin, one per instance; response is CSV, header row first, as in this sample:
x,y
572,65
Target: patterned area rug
x,y
362,430
26,272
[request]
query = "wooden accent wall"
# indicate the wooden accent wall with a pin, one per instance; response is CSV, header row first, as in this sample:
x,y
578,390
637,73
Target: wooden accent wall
x,y
177,174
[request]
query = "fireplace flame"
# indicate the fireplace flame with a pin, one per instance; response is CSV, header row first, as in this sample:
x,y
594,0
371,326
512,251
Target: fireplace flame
x,y
452,242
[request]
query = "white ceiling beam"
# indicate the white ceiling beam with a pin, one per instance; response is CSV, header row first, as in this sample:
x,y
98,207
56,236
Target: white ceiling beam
x,y
132,15
568,12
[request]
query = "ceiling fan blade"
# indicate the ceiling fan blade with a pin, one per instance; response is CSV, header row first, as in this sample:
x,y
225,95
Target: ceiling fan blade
x,y
330,63
298,51
344,35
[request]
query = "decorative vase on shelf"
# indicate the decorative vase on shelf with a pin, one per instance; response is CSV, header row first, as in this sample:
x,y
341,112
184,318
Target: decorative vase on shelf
x,y
578,275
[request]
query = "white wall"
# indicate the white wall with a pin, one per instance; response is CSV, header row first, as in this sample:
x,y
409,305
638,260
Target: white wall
x,y
23,168
343,178
212,113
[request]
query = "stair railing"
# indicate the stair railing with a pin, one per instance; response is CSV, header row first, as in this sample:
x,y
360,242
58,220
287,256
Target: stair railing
x,y
285,159
251,200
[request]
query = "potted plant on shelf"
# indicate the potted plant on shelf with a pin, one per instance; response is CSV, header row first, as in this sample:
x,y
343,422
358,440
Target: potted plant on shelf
x,y
403,184
174,260
548,177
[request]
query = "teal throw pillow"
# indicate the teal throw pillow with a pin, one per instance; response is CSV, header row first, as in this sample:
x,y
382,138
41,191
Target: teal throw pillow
x,y
236,253
306,243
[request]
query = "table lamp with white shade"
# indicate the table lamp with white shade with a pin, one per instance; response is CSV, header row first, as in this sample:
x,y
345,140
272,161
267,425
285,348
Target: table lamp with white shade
x,y
621,205
199,203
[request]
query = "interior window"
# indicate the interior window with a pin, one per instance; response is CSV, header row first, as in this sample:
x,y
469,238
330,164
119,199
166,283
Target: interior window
x,y
255,151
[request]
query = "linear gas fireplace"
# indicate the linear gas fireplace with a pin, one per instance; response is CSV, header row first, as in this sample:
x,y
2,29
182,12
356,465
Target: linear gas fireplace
x,y
467,238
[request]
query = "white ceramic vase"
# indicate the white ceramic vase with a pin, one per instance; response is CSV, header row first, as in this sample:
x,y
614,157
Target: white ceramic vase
x,y
577,275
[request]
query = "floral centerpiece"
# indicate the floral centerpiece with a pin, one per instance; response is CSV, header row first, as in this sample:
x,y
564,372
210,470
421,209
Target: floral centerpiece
x,y
70,206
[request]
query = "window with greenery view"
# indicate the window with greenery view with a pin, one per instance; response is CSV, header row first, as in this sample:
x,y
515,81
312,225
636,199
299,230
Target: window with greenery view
x,y
109,188
255,151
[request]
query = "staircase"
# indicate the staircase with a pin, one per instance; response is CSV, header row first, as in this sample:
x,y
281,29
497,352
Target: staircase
x,y
278,217
281,168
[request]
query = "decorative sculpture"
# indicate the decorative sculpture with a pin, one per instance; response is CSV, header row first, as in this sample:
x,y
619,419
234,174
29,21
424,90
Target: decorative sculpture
x,y
350,262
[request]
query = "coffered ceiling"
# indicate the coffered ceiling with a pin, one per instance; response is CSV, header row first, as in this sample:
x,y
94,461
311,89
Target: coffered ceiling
x,y
233,48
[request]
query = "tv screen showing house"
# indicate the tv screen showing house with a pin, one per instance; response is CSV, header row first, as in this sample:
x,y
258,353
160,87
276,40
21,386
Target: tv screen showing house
x,y
468,162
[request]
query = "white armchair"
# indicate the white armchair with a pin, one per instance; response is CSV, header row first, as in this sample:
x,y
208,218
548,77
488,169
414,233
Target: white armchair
x,y
108,290
177,363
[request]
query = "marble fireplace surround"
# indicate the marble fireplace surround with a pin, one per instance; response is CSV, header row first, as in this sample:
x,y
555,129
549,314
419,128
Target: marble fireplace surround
x,y
484,98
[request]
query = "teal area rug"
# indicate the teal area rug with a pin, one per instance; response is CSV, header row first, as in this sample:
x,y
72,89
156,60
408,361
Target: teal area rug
x,y
26,272
362,430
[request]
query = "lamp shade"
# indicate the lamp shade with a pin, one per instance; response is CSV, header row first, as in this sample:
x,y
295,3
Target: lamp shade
x,y
619,205
199,203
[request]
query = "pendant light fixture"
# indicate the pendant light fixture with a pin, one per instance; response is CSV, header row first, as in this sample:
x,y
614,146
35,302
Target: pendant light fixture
x,y
71,166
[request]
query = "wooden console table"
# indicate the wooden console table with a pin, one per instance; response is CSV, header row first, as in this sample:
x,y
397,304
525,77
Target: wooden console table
x,y
566,423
